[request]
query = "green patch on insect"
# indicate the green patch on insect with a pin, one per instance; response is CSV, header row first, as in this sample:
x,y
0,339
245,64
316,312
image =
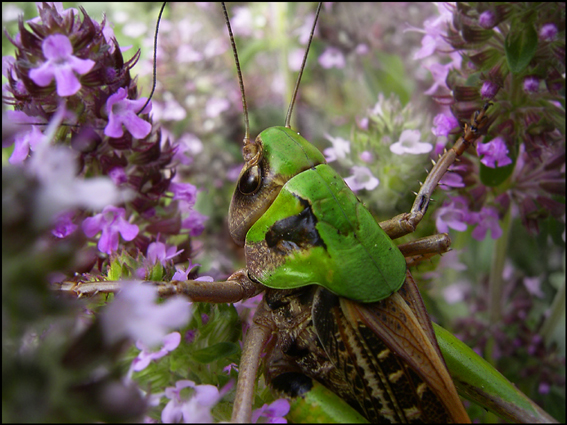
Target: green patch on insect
x,y
316,232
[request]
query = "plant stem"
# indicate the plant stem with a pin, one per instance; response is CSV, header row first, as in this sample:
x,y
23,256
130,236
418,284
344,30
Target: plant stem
x,y
495,282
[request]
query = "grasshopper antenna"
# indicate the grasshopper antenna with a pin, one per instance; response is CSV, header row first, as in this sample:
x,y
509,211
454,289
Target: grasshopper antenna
x,y
290,109
155,58
240,81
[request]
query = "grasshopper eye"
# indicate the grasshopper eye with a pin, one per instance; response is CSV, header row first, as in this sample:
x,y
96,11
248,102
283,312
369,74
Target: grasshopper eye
x,y
250,181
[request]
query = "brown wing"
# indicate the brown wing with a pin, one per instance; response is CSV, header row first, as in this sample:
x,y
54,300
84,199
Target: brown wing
x,y
389,359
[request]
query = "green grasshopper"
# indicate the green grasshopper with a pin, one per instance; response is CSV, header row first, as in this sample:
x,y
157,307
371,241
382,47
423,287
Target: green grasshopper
x,y
349,335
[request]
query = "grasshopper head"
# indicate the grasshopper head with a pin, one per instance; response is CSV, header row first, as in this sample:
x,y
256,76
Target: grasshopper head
x,y
276,156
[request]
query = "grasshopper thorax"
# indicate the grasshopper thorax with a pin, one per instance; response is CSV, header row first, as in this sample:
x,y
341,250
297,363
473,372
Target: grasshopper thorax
x,y
280,154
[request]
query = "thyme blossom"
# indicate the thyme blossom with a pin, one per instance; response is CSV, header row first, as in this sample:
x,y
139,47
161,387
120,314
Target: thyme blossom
x,y
61,65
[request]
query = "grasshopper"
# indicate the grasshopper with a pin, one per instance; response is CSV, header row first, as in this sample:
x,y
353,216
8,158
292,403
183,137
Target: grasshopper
x,y
325,313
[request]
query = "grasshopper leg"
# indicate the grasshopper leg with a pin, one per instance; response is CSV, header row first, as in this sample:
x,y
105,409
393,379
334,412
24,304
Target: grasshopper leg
x,y
424,248
254,342
236,288
406,223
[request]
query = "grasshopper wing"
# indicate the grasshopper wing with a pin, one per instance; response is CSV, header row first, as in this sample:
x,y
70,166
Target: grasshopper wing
x,y
384,352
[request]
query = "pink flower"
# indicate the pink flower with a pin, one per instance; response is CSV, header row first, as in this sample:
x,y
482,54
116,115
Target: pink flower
x,y
133,314
494,152
158,251
453,214
487,219
339,150
195,223
531,84
489,90
61,65
170,342
362,178
444,123
533,285
439,72
332,58
451,180
216,106
487,19
110,222
409,143
64,225
25,140
548,32
184,192
123,111
273,412
195,409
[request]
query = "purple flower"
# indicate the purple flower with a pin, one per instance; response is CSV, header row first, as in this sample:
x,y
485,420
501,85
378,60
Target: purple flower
x,y
190,335
363,123
273,412
533,285
339,150
184,192
170,342
488,90
361,178
230,367
451,180
439,72
56,169
453,214
123,111
26,138
494,152
332,58
487,19
487,219
531,84
544,388
205,279
61,65
444,123
158,251
428,47
295,59
181,274
366,156
456,292
196,409
110,222
247,308
24,141
435,31
548,32
362,49
118,176
195,223
216,106
409,143
64,225
305,30
133,314
170,111
242,21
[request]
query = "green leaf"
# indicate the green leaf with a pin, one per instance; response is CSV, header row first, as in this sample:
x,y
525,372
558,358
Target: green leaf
x,y
478,380
492,177
215,352
520,47
115,270
321,405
